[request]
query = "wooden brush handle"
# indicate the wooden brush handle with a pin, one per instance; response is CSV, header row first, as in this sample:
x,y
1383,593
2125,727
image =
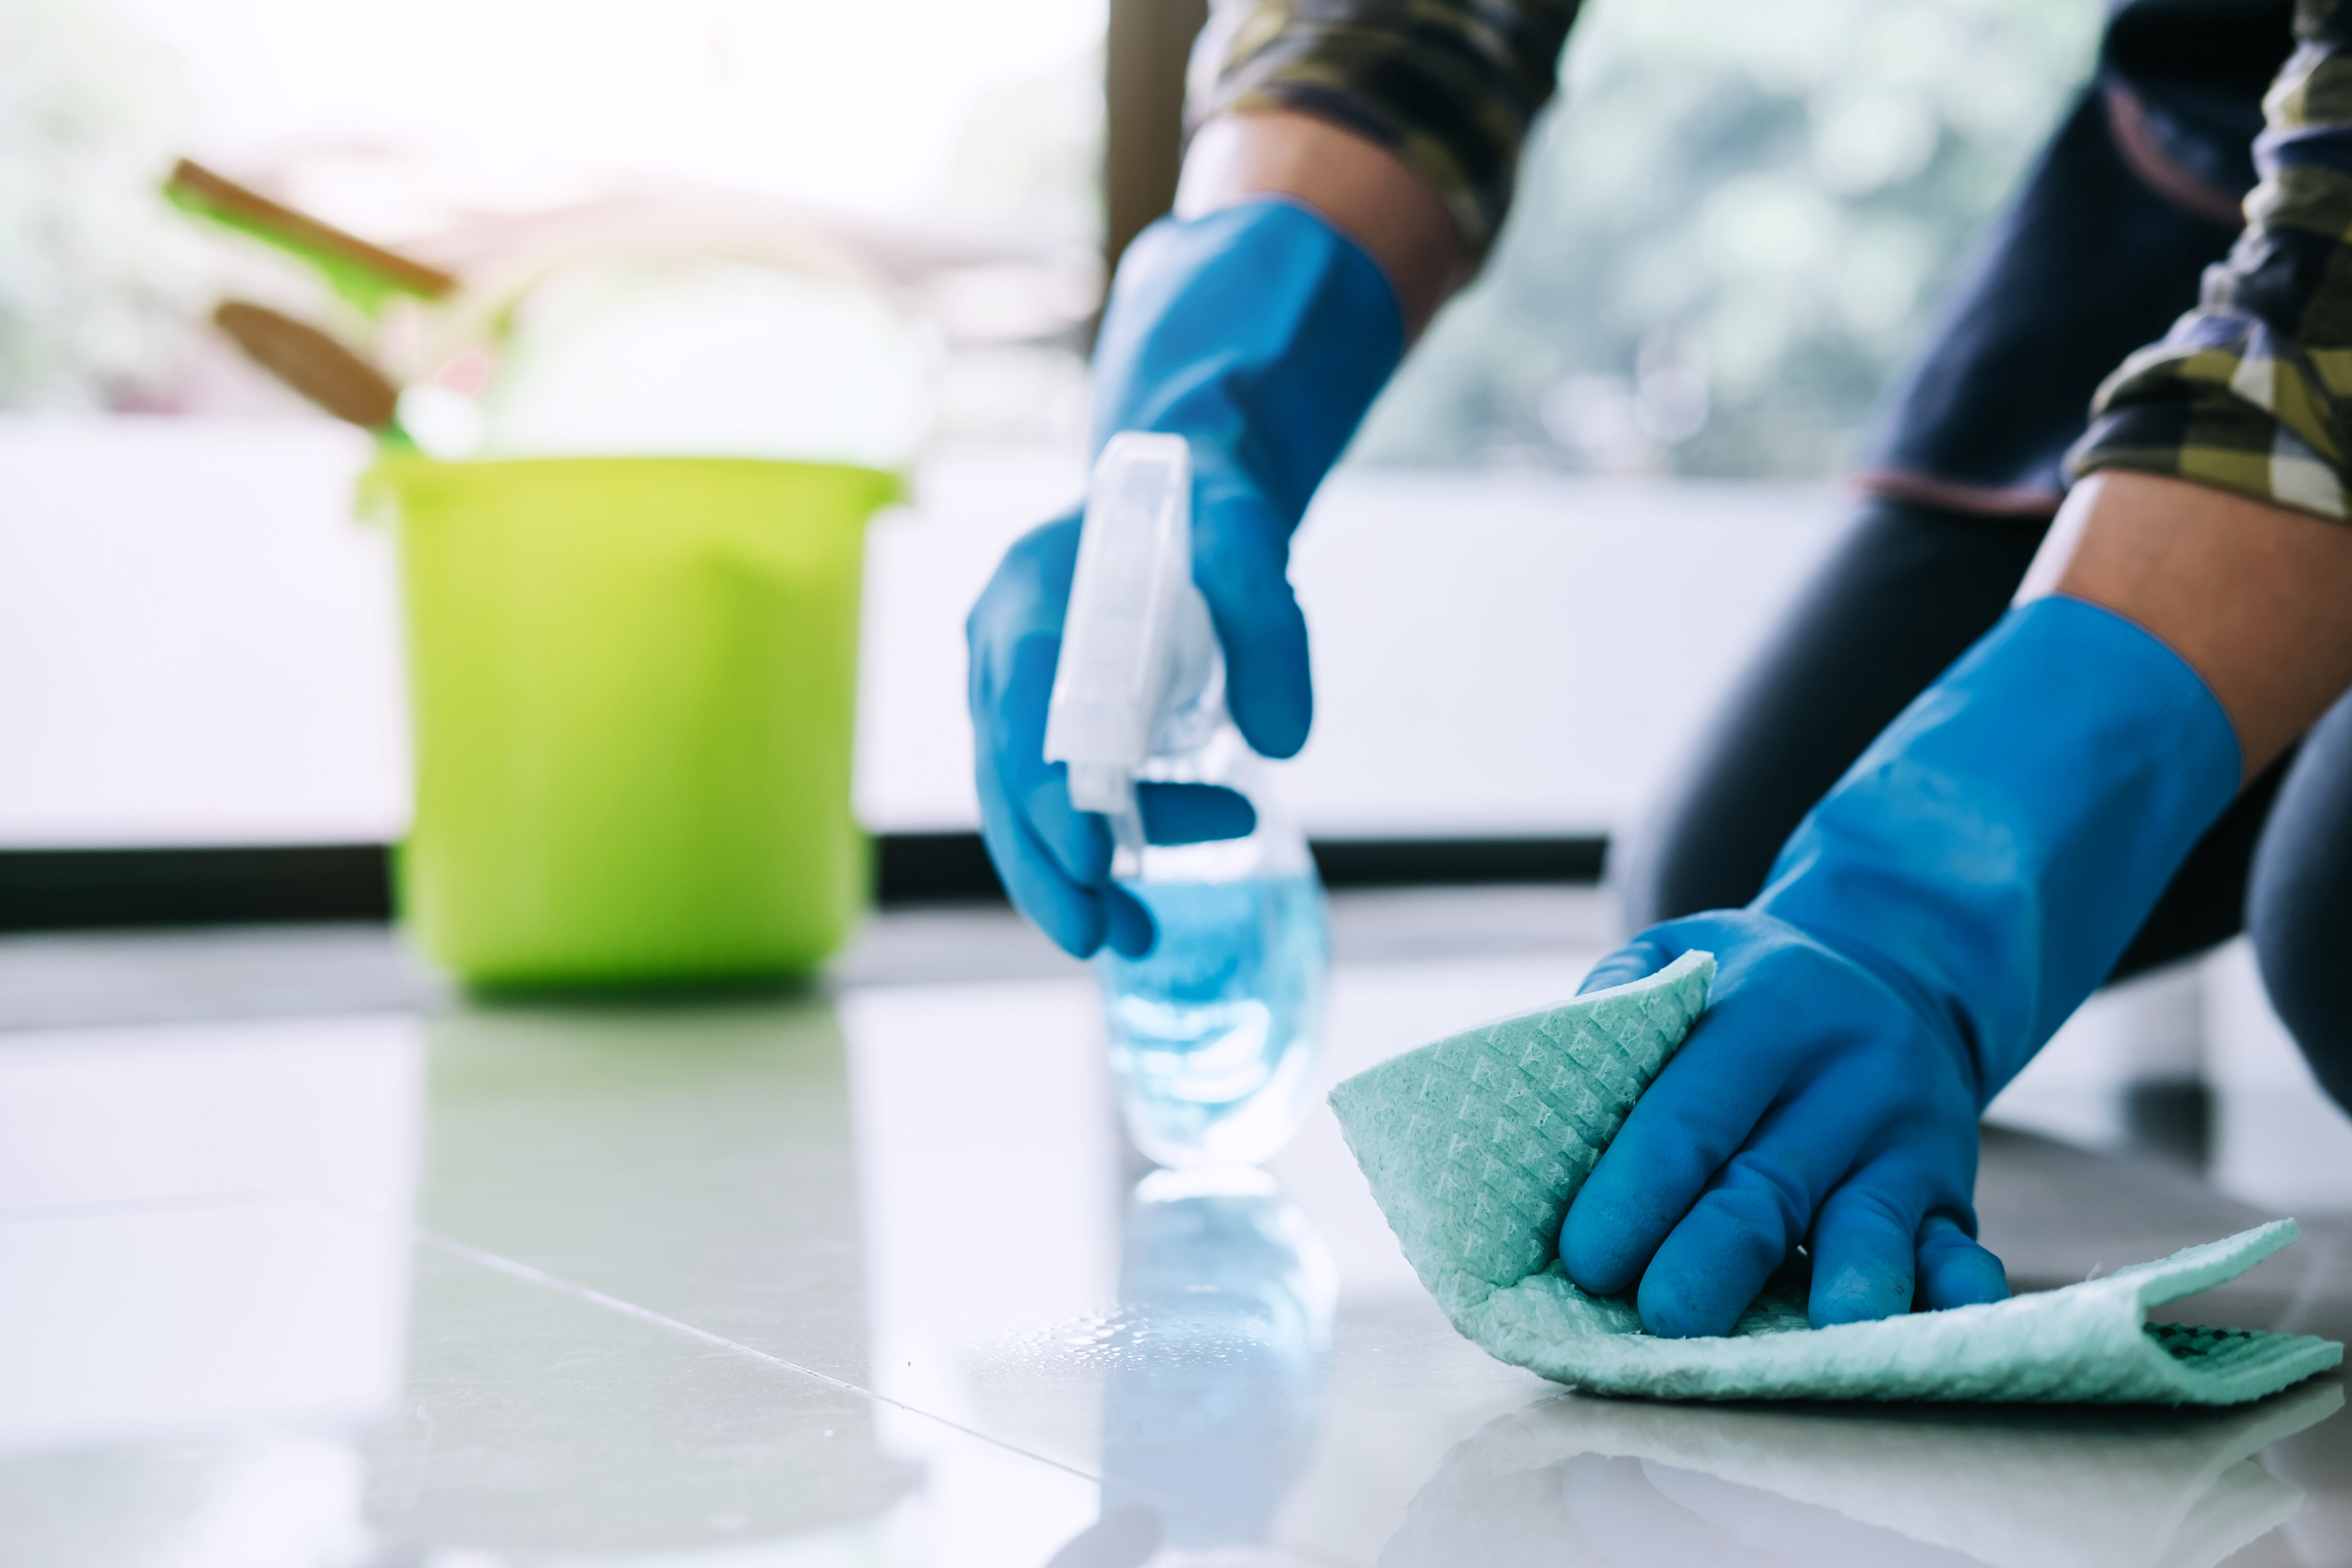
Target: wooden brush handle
x,y
251,205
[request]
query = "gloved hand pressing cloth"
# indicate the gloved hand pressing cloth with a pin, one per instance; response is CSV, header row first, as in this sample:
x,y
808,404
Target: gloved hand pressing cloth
x,y
1592,1195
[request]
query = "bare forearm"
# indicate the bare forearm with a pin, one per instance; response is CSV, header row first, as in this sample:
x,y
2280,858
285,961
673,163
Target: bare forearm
x,y
1356,183
2257,598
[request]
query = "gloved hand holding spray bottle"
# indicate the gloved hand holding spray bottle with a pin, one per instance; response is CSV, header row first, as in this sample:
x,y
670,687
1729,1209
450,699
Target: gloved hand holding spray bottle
x,y
1245,345
1213,1032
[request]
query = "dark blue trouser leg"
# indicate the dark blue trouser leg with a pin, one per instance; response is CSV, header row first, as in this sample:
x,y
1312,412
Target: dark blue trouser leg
x,y
2299,905
1902,596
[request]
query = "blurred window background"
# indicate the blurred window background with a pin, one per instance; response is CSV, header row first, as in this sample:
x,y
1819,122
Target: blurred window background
x,y
1587,494
966,134
1732,227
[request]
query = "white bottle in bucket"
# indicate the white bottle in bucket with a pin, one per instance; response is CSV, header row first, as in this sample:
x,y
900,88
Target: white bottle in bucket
x,y
1213,1033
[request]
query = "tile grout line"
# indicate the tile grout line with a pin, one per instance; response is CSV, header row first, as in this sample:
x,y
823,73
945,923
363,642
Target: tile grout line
x,y
589,1293
515,1269
530,1274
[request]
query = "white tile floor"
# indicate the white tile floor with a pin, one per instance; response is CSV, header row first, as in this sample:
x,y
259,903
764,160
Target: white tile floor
x,y
866,1277
2275,1139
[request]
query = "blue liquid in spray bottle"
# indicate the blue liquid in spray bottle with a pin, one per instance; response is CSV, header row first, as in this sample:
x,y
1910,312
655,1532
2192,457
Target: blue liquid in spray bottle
x,y
1213,1033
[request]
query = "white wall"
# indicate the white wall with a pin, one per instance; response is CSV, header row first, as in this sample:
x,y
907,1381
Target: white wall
x,y
198,645
196,642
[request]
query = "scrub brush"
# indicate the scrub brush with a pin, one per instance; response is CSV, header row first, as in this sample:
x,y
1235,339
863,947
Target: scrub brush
x,y
315,365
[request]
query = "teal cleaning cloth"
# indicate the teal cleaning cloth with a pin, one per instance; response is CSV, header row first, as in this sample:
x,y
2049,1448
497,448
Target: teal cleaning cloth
x,y
1474,1145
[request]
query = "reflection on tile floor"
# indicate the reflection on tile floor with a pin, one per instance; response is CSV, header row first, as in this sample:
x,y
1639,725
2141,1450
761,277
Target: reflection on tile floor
x,y
868,1277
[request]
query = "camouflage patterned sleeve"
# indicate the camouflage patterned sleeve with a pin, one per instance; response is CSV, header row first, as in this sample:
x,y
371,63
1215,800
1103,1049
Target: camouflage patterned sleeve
x,y
1449,85
2252,391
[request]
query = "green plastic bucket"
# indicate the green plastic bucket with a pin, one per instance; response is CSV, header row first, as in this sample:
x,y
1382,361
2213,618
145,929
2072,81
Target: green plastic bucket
x,y
632,687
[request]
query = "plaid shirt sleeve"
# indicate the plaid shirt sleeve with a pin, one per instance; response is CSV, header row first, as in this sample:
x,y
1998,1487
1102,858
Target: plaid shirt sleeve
x,y
1449,86
2252,391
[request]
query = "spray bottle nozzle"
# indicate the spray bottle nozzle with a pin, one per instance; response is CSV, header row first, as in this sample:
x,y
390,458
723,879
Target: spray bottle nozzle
x,y
1129,626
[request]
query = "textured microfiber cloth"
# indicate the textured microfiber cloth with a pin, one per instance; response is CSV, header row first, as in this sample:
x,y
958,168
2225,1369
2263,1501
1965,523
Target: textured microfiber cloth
x,y
1474,1145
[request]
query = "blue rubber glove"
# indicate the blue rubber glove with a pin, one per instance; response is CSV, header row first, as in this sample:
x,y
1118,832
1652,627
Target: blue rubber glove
x,y
1929,925
1261,334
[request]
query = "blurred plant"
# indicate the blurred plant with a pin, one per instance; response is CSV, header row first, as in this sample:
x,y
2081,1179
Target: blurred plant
x,y
90,314
1732,229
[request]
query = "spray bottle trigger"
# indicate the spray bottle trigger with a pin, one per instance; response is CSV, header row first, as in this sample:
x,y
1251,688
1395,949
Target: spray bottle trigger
x,y
1110,790
1120,632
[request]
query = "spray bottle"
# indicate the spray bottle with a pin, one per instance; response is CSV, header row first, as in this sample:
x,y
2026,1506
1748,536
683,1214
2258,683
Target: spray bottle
x,y
1213,1032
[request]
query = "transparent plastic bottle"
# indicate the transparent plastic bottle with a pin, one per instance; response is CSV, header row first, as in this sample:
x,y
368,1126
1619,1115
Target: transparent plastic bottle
x,y
1213,1033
